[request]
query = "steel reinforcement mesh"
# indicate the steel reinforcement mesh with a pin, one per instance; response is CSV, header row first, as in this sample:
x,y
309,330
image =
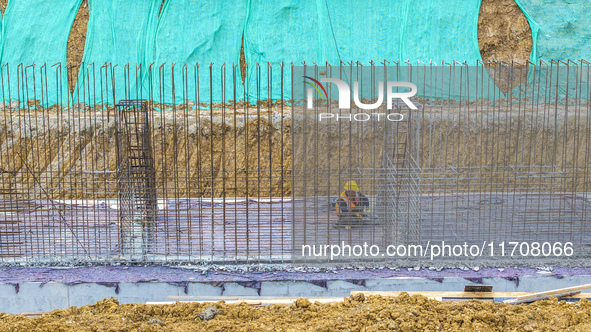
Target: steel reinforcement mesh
x,y
493,165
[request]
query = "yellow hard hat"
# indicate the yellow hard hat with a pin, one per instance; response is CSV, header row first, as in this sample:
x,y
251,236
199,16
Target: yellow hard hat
x,y
351,185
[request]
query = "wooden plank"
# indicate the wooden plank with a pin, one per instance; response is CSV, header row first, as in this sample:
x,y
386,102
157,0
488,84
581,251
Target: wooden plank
x,y
562,292
478,288
532,298
34,314
249,302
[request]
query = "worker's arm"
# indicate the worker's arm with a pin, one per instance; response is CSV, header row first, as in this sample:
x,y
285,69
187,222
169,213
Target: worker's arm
x,y
364,203
363,200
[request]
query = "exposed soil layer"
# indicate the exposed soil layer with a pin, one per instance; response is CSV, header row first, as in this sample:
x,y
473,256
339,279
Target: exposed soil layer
x,y
76,41
198,157
357,313
504,35
503,32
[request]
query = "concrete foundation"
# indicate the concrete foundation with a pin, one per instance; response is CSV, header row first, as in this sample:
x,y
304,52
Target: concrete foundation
x,y
76,287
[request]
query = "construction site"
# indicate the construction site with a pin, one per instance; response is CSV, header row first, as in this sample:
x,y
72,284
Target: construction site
x,y
293,167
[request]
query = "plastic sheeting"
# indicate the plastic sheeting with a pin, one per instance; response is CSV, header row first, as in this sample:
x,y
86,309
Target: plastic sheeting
x,y
36,31
204,32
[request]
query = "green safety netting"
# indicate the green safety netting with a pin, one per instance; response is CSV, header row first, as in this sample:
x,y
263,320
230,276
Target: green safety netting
x,y
190,32
36,31
560,28
334,31
362,30
441,31
560,31
118,41
283,32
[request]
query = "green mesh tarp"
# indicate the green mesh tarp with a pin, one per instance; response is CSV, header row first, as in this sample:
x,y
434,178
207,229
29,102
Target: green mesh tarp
x,y
288,31
560,31
118,35
334,31
441,31
560,28
36,31
191,32
362,30
282,32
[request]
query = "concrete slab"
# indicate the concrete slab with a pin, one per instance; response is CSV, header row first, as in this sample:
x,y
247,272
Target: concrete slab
x,y
145,291
33,297
234,289
40,291
292,288
87,293
202,289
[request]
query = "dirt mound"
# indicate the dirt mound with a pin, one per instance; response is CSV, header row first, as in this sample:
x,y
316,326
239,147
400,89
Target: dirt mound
x,y
405,313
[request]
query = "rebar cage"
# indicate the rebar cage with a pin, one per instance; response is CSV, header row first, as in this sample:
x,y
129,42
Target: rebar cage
x,y
204,165
136,179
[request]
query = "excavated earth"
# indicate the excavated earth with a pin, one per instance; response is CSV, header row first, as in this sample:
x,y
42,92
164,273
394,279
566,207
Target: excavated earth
x,y
194,156
357,313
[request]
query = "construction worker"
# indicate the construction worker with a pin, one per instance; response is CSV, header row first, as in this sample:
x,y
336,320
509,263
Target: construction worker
x,y
352,205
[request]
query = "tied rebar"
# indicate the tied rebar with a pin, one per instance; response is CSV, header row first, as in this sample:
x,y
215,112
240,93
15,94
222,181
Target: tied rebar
x,y
177,163
136,178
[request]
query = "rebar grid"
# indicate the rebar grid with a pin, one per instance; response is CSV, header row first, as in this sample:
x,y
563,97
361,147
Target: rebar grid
x,y
496,152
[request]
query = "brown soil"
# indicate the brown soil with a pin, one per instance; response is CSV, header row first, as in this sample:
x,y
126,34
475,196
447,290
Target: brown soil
x,y
405,313
193,160
503,32
192,155
76,42
3,4
504,35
